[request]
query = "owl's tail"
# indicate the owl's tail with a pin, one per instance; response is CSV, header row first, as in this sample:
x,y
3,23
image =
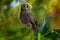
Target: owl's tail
x,y
35,27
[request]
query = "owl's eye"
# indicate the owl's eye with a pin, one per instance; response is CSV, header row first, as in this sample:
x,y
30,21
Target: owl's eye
x,y
27,6
23,6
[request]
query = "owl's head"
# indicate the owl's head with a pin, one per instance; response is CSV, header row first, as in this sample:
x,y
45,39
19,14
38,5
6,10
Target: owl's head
x,y
25,7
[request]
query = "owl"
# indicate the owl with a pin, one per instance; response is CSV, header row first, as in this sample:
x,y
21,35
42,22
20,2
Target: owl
x,y
27,18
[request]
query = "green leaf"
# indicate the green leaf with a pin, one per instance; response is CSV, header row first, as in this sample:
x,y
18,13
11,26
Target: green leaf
x,y
44,25
39,36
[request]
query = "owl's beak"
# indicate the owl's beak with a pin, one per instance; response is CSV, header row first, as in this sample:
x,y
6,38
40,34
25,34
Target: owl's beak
x,y
27,8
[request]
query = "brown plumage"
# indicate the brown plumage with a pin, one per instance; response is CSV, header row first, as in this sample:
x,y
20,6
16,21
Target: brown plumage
x,y
27,18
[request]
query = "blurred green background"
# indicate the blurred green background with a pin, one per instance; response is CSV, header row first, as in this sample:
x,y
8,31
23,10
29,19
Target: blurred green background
x,y
12,29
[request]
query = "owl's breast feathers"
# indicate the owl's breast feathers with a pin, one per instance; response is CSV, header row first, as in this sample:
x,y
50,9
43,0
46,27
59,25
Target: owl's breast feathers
x,y
23,18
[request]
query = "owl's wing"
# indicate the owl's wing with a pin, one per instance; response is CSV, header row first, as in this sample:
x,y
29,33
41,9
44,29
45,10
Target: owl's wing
x,y
33,21
31,18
